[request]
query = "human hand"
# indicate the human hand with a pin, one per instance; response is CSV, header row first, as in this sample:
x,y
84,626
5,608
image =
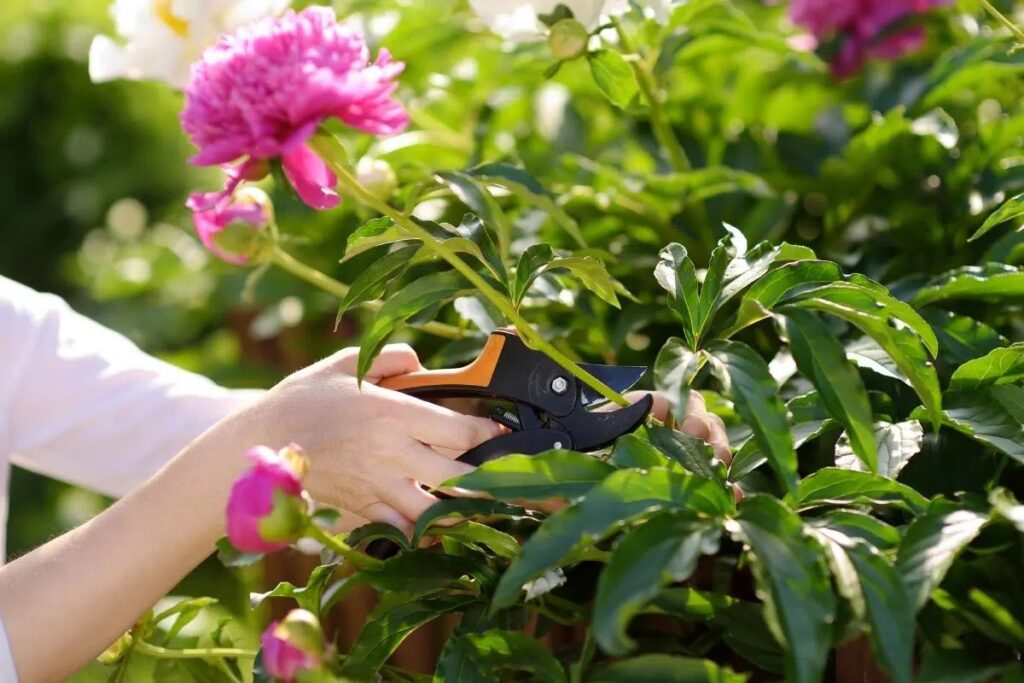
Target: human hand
x,y
697,422
370,448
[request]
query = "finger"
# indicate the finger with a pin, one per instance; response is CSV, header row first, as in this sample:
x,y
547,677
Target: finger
x,y
438,426
408,498
394,359
696,422
382,512
720,439
449,453
429,467
349,521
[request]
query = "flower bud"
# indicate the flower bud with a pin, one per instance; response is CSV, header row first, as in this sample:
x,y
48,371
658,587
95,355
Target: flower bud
x,y
233,227
377,176
293,647
266,511
568,39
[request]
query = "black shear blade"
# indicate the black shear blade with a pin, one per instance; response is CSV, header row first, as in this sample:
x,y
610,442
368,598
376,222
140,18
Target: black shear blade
x,y
619,378
594,429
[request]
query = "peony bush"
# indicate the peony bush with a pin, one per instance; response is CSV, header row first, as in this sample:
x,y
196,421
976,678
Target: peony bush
x,y
800,210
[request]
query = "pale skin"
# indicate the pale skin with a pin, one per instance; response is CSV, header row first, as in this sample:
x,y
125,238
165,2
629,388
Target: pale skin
x,y
66,601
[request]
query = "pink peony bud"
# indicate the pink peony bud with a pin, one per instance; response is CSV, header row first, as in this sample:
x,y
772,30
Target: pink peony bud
x,y
231,226
293,646
266,511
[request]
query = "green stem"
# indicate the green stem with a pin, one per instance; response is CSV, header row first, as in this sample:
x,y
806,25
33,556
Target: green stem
x,y
286,261
158,652
662,125
1004,20
358,559
525,330
652,93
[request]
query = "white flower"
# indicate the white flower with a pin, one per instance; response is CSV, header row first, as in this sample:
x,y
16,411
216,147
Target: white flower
x,y
164,37
519,21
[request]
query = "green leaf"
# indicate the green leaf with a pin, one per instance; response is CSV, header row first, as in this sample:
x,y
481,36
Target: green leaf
x,y
695,455
230,556
494,655
896,444
465,508
823,360
623,495
1011,208
930,545
371,283
859,525
991,416
663,668
677,276
991,282
373,531
674,371
961,666
878,597
750,456
558,473
1007,507
962,338
774,286
408,301
884,320
631,451
531,264
833,486
385,630
591,272
614,76
744,628
422,571
689,604
1001,366
474,194
308,596
473,229
375,227
474,534
662,550
745,377
793,582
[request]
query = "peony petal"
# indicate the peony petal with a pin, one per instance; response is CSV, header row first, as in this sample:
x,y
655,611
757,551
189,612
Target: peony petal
x,y
311,178
107,60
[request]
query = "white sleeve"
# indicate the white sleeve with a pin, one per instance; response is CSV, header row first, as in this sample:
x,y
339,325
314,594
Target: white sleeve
x,y
81,403
8,674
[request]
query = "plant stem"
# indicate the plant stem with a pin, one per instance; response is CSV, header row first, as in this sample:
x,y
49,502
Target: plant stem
x,y
652,93
1004,20
529,335
662,125
286,261
358,559
190,653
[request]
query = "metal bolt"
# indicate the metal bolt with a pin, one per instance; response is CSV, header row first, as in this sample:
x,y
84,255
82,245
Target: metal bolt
x,y
558,444
559,385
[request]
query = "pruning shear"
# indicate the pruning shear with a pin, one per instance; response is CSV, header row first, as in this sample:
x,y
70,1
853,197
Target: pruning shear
x,y
544,408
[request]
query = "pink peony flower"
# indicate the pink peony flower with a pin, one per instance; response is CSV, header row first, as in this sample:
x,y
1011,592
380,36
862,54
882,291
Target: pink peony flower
x,y
261,93
292,646
229,226
265,511
864,28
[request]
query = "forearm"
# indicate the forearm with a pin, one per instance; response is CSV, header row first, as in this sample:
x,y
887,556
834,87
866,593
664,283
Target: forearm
x,y
64,602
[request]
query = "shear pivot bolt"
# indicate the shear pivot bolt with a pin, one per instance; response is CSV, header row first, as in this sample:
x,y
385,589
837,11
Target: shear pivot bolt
x,y
558,444
559,385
